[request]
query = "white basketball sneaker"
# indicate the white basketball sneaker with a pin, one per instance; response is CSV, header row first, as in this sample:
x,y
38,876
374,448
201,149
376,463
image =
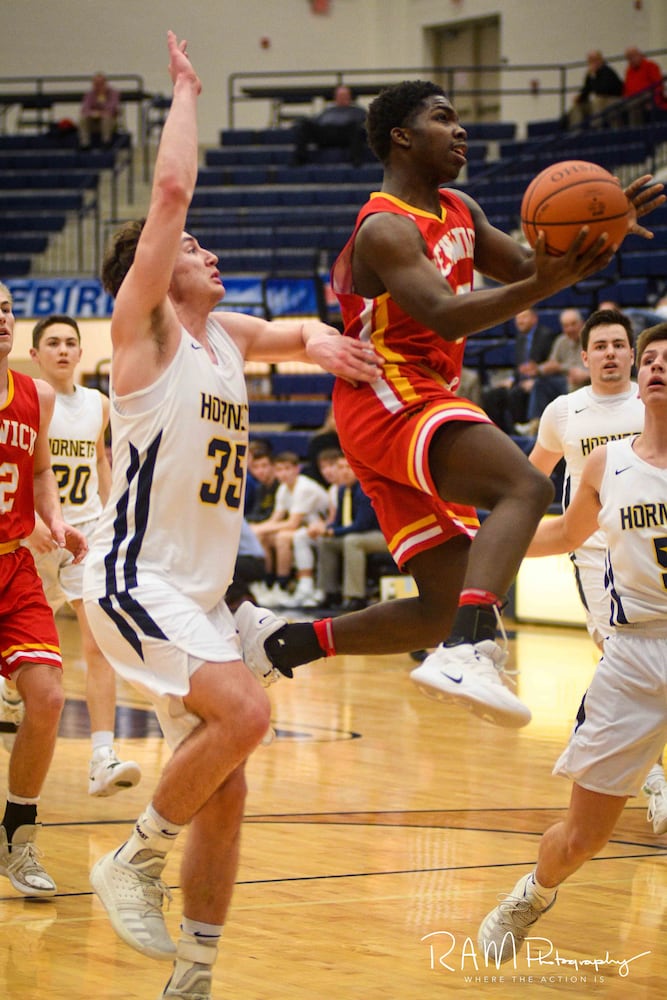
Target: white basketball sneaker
x,y
470,675
503,931
21,865
255,625
133,896
108,775
656,789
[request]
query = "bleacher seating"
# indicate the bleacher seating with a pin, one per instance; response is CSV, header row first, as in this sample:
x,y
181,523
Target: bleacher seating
x,y
286,385
291,414
44,180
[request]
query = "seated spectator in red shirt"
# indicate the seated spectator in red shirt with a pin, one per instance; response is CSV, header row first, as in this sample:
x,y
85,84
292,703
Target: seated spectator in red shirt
x,y
642,73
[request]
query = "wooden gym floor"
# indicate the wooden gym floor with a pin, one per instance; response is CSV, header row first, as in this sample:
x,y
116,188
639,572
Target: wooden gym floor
x,y
380,828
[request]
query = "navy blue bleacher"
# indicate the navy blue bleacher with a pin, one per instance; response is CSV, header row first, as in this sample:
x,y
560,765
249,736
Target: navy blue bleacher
x,y
42,181
287,384
300,415
296,441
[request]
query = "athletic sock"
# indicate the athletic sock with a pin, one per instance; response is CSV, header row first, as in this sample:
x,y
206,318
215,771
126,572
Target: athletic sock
x,y
153,836
19,812
102,739
298,643
544,894
476,619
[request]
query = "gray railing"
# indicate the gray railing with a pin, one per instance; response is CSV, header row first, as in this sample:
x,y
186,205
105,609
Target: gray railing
x,y
290,88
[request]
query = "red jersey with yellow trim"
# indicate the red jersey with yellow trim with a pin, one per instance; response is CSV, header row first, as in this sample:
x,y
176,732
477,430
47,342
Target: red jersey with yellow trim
x,y
386,427
19,426
403,342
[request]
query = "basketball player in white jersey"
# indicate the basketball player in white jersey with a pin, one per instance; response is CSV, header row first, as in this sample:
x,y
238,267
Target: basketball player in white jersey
x,y
622,722
164,551
571,427
83,474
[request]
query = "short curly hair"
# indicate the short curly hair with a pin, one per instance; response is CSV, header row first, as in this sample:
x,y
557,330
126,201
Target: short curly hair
x,y
394,107
119,255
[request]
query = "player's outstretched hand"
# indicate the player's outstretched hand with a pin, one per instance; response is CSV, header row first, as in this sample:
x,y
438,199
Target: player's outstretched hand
x,y
644,198
345,357
179,62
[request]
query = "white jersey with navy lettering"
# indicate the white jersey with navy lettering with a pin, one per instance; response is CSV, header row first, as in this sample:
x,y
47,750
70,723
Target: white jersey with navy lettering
x,y
633,517
178,478
577,422
74,431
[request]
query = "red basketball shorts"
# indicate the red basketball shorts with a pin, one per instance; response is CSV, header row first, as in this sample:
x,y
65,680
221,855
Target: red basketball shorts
x,y
389,453
28,631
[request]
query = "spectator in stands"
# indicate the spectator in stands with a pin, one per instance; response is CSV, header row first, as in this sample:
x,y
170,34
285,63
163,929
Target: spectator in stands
x,y
507,402
602,88
339,125
344,542
324,438
563,371
470,386
100,110
304,541
249,570
640,75
299,500
265,483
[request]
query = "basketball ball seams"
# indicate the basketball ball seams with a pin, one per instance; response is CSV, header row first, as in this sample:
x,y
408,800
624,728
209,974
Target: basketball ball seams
x,y
576,222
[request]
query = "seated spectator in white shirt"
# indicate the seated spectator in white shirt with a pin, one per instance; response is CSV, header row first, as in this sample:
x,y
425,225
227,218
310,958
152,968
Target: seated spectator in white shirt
x,y
299,500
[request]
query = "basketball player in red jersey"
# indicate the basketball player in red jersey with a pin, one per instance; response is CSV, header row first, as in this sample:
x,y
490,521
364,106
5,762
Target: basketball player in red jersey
x,y
427,458
29,651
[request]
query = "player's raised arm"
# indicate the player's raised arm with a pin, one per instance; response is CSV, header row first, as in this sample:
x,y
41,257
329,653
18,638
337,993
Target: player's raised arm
x,y
142,312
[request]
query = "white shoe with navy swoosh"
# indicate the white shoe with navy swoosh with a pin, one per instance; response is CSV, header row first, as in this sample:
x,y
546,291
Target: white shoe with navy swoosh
x,y
470,676
255,625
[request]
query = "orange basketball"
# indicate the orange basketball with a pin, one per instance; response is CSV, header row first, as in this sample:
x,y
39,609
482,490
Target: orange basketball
x,y
568,195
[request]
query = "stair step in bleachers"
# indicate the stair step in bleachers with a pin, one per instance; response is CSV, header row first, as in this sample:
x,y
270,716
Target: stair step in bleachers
x,y
45,177
45,201
33,222
24,243
293,415
540,129
274,195
284,385
13,266
267,238
642,264
258,137
80,180
296,441
490,131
